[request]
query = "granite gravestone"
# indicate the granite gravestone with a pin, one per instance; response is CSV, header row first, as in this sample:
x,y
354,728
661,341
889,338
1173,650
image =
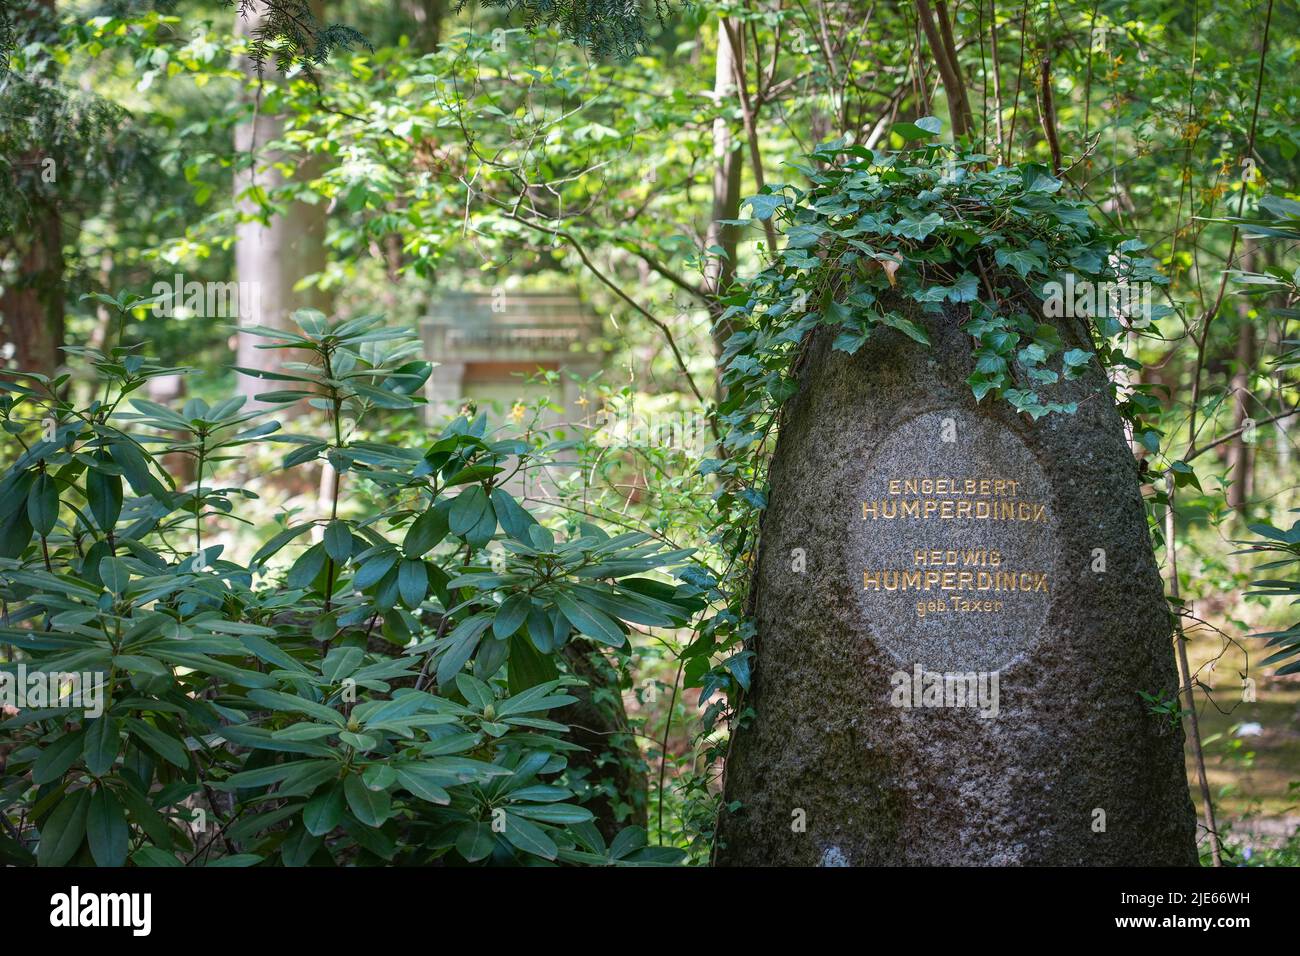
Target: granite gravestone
x,y
957,610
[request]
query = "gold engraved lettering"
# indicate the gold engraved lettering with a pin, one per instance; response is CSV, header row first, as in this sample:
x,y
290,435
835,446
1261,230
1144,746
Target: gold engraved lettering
x,y
956,498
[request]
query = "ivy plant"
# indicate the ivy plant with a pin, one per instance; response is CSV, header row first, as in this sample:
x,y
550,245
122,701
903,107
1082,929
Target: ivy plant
x,y
876,241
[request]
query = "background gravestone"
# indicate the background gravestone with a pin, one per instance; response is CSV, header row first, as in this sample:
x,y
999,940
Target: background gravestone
x,y
487,346
960,538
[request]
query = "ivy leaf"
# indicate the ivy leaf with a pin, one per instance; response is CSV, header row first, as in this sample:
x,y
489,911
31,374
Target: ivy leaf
x,y
918,228
906,326
763,206
965,289
851,341
1075,361
1023,262
1044,184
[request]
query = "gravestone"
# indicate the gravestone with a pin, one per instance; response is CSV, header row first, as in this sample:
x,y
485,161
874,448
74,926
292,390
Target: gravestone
x,y
957,612
488,345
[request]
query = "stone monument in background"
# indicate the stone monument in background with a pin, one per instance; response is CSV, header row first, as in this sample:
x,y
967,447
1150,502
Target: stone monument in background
x,y
489,345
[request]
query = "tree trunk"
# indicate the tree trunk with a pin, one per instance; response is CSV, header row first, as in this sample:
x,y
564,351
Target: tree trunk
x,y
427,16
272,253
721,268
31,306
611,765
1240,454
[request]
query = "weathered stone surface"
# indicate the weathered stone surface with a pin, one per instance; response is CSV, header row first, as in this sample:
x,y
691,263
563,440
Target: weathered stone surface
x,y
876,783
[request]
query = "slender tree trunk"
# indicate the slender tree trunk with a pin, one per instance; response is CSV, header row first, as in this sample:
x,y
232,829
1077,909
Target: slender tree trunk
x,y
949,70
727,159
1240,455
31,304
273,251
611,763
427,16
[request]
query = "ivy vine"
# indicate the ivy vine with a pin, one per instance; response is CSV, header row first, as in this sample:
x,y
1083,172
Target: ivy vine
x,y
879,240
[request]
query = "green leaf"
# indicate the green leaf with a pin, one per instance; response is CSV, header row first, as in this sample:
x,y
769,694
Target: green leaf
x,y
115,574
918,228
1023,262
412,582
473,473
374,569
528,667
63,830
298,847
764,205
461,645
475,841
102,744
277,700
514,519
906,326
277,542
338,541
965,289
529,837
923,128
104,494
146,817
371,807
307,568
477,693
469,511
424,782
587,620
561,813
43,504
163,744
106,829
57,757
153,857
511,615
340,662
425,533
322,813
